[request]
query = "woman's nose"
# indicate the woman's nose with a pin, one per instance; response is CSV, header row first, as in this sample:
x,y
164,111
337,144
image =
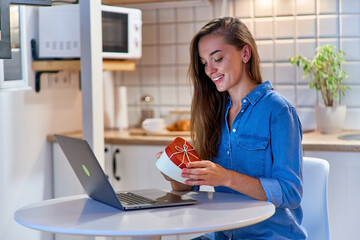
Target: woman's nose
x,y
210,69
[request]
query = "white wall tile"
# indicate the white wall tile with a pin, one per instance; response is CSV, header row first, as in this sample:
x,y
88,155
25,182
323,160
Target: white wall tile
x,y
263,8
264,28
203,13
149,75
352,97
185,32
306,47
351,47
166,15
350,25
184,14
244,8
300,76
183,54
167,33
167,75
199,25
283,49
266,50
182,75
133,95
284,7
167,54
285,73
216,8
352,120
305,7
149,55
168,95
353,70
130,78
249,22
332,41
184,95
134,116
284,27
288,91
267,72
305,96
149,33
350,6
149,16
328,6
328,26
306,26
307,118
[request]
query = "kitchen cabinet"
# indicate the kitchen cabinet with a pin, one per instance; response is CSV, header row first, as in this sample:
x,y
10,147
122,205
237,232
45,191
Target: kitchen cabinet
x,y
343,194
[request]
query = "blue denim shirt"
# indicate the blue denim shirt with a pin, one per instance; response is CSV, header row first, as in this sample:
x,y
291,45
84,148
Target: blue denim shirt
x,y
265,142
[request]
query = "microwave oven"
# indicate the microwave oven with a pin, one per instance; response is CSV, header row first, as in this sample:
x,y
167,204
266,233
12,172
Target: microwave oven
x,y
59,32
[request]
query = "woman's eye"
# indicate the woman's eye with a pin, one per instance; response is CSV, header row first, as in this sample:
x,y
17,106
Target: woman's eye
x,y
204,64
218,60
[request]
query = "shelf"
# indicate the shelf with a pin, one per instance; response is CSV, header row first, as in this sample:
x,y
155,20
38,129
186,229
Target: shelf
x,y
54,66
74,65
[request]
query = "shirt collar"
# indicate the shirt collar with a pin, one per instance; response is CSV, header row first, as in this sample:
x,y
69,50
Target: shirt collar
x,y
255,95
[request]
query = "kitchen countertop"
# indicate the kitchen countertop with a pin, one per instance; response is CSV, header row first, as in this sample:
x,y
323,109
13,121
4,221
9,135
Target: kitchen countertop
x,y
312,141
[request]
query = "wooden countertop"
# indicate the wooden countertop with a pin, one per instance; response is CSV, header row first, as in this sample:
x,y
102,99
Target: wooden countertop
x,y
312,141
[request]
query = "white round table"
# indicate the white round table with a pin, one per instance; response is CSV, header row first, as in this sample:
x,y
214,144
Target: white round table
x,y
81,215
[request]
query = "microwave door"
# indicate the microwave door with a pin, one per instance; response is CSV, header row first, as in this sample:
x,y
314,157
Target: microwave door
x,y
115,32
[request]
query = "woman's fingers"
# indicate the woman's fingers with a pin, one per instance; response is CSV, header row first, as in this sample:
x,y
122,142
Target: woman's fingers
x,y
158,154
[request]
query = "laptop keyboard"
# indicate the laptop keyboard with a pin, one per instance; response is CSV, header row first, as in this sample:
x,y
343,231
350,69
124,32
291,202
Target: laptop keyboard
x,y
133,199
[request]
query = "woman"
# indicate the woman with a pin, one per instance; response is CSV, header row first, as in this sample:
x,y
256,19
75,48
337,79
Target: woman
x,y
251,134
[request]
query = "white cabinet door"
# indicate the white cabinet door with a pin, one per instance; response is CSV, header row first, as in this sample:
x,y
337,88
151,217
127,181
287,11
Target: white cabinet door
x,y
135,167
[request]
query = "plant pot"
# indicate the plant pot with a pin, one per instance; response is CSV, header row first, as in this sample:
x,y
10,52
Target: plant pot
x,y
330,119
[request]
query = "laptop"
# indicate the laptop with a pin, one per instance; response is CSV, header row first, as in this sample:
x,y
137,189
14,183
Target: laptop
x,y
96,185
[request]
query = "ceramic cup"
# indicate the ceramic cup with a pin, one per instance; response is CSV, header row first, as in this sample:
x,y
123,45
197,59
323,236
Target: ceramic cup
x,y
175,157
153,125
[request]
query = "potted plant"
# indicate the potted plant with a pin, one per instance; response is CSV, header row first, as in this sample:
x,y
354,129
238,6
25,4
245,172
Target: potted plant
x,y
326,75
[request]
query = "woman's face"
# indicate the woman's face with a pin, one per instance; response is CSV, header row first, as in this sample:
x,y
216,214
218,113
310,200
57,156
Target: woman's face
x,y
222,62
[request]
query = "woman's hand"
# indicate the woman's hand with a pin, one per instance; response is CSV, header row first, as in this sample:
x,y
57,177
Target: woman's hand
x,y
175,185
206,172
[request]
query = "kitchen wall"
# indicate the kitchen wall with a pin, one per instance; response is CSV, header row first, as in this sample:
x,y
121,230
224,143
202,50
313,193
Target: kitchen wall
x,y
26,117
280,27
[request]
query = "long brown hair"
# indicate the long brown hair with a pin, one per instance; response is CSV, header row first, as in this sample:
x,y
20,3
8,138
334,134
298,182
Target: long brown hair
x,y
208,104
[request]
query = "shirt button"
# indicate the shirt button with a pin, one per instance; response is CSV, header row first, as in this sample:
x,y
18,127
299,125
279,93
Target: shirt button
x,y
228,152
242,111
244,101
234,130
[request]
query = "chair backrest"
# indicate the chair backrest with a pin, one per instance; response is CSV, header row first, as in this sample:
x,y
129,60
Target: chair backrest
x,y
314,201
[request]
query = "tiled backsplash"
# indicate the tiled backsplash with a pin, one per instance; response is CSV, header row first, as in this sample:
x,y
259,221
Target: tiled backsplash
x,y
280,27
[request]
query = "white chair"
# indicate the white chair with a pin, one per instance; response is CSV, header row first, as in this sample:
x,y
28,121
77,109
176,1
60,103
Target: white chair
x,y
314,201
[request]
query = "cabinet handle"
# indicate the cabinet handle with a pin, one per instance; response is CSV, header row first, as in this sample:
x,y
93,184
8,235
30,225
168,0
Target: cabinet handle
x,y
106,150
114,164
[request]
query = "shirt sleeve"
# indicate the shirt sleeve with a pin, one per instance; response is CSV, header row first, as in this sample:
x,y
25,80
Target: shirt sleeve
x,y
284,188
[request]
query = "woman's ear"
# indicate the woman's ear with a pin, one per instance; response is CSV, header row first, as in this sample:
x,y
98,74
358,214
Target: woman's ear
x,y
246,53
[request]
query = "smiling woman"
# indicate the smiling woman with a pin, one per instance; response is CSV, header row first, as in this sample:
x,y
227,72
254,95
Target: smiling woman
x,y
247,135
